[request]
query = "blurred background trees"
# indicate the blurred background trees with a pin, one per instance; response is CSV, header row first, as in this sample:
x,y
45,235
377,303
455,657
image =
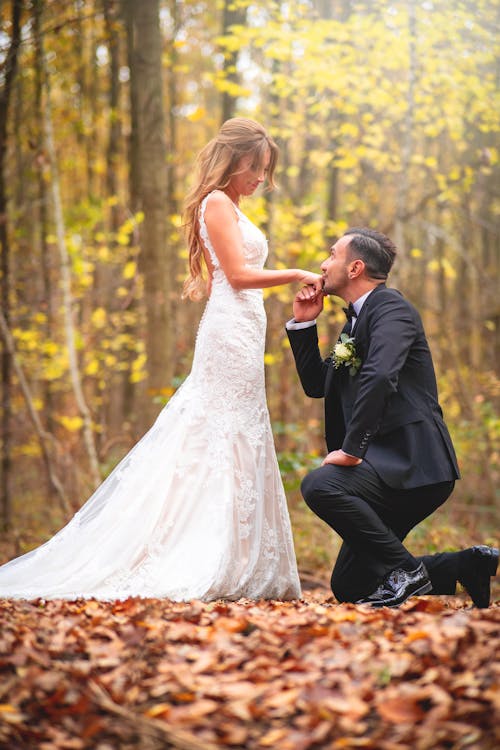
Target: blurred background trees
x,y
386,114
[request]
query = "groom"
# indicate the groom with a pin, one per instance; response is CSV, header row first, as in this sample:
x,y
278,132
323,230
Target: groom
x,y
391,461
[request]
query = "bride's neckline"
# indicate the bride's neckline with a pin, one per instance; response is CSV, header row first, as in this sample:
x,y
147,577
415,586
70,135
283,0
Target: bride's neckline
x,y
235,203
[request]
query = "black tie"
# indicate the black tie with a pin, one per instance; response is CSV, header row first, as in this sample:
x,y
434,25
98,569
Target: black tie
x,y
350,312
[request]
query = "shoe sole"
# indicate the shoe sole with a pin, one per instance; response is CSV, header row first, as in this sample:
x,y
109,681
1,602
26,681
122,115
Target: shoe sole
x,y
425,589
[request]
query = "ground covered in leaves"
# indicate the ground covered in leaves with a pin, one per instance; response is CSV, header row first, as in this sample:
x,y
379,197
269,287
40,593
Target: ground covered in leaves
x,y
309,674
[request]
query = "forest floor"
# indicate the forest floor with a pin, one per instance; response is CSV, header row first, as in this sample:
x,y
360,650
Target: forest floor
x,y
307,674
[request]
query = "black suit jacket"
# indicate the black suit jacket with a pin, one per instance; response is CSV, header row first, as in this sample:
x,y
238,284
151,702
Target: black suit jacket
x,y
388,413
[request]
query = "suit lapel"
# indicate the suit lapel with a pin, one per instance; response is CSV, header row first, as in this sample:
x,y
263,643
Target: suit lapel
x,y
351,332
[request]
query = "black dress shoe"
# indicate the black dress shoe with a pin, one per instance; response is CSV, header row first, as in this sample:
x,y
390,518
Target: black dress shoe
x,y
477,565
398,586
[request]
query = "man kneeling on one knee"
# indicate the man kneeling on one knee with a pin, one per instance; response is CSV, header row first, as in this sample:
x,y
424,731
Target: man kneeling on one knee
x,y
391,462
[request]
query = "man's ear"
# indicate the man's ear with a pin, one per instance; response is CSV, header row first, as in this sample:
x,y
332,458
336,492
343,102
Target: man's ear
x,y
357,268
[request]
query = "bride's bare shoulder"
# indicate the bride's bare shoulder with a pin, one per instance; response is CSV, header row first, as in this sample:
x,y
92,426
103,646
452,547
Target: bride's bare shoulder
x,y
219,205
219,198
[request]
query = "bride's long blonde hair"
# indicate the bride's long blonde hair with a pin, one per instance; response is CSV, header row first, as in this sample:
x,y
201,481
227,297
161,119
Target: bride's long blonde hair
x,y
217,163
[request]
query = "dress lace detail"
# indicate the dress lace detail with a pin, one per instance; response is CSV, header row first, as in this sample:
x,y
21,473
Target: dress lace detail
x,y
196,510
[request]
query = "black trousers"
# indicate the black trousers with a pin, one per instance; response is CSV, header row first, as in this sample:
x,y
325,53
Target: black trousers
x,y
373,519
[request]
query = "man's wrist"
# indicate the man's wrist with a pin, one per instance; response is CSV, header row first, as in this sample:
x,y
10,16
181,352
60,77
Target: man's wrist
x,y
348,454
353,460
297,325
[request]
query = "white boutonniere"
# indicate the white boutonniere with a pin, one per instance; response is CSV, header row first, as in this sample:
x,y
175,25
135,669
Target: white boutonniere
x,y
344,353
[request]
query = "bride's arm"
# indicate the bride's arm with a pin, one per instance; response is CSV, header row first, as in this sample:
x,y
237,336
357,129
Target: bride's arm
x,y
225,236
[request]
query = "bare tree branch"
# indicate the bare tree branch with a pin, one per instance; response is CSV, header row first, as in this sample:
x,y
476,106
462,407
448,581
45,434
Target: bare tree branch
x,y
43,437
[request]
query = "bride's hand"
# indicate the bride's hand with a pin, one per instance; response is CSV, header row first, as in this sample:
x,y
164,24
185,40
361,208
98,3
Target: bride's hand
x,y
311,279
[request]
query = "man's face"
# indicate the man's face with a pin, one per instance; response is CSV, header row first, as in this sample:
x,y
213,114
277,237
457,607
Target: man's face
x,y
335,268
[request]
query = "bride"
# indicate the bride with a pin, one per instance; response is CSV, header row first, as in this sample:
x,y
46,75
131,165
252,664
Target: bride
x,y
197,509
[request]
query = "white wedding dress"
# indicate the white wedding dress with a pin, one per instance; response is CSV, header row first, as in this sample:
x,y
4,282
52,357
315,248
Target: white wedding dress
x,y
197,509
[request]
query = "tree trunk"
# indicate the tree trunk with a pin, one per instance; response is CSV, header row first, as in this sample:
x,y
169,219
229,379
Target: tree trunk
x,y
172,207
129,388
66,286
133,143
155,259
21,190
81,78
232,14
407,147
5,98
114,134
112,410
42,199
329,10
87,78
173,83
332,191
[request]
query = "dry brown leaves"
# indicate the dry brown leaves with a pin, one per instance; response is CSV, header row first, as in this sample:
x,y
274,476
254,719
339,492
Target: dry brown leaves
x,y
284,675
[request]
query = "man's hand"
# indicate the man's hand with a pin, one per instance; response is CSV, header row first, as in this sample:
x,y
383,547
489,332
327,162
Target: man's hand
x,y
339,458
308,304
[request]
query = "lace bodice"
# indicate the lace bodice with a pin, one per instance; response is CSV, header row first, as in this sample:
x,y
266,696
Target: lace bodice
x,y
229,354
254,241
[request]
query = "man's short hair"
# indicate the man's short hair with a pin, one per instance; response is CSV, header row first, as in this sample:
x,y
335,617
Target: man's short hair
x,y
375,249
